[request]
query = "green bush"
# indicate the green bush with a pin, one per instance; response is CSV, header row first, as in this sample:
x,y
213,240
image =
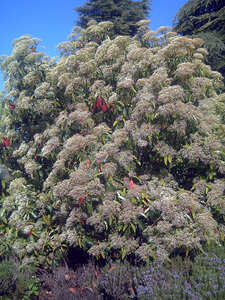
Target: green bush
x,y
6,277
17,281
117,148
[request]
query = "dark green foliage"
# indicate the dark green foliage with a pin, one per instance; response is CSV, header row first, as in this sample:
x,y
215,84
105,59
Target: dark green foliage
x,y
205,20
124,14
18,282
6,277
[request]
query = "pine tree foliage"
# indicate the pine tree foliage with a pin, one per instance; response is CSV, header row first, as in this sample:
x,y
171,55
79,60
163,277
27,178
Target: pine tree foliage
x,y
205,19
124,14
118,148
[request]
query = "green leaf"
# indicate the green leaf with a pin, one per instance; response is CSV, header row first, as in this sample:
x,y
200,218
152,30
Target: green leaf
x,y
133,227
120,227
140,224
102,253
187,252
120,103
88,240
165,160
89,208
222,154
114,124
47,219
123,252
125,227
110,220
207,239
106,225
48,261
127,168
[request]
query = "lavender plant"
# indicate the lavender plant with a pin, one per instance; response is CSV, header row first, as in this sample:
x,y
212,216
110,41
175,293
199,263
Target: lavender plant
x,y
204,279
124,152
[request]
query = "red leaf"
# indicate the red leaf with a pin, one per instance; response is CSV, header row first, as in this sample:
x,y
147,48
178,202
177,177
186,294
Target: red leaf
x,y
81,200
88,161
98,103
103,104
82,222
6,141
12,106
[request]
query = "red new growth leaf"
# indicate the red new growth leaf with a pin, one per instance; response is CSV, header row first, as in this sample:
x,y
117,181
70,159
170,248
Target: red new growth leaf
x,y
189,209
88,161
6,141
12,106
81,200
82,222
103,104
97,103
131,185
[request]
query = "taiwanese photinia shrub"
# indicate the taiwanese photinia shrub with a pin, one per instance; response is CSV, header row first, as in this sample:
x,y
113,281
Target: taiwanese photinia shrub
x,y
128,151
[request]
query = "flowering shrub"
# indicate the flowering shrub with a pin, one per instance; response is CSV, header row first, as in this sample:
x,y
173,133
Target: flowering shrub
x,y
204,280
118,148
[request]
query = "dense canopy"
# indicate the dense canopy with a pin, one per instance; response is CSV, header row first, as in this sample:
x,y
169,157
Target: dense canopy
x,y
117,148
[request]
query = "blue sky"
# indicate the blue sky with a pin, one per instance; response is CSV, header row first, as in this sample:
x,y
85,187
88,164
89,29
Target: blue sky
x,y
52,21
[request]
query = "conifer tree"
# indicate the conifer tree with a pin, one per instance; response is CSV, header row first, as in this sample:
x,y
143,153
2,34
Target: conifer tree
x,y
124,14
205,19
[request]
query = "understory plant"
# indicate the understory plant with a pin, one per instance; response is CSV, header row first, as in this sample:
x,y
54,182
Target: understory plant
x,y
117,148
201,278
18,282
